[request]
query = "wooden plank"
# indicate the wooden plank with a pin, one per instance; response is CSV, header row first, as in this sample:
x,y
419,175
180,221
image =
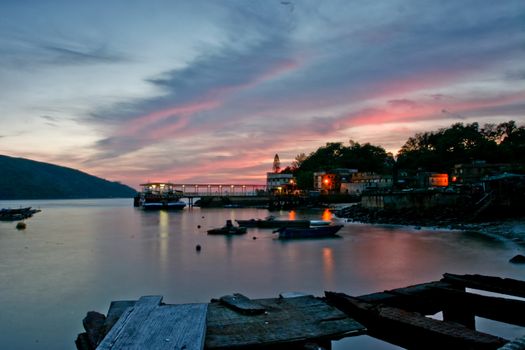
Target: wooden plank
x,y
494,308
411,298
242,304
285,321
489,283
412,330
147,325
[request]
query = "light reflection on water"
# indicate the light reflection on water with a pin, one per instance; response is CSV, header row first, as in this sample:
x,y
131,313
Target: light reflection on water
x,y
79,255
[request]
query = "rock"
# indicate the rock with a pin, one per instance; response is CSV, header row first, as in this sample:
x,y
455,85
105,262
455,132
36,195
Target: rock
x,y
94,326
518,259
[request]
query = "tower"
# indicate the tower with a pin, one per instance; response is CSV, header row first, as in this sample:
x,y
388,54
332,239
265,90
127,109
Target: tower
x,y
276,164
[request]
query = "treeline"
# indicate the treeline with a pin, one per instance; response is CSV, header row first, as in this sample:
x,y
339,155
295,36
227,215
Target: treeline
x,y
435,151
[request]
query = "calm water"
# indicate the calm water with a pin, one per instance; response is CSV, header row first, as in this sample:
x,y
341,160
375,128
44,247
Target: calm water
x,y
79,255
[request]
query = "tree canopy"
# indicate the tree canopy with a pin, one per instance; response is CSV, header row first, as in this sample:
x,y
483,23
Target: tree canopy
x,y
429,151
440,150
333,155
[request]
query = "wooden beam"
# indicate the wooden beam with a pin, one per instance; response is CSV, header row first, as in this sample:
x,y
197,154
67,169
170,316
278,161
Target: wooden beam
x,y
488,283
494,308
412,330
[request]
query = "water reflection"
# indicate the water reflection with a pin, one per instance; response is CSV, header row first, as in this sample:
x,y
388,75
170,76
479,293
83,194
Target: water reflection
x,y
328,266
164,231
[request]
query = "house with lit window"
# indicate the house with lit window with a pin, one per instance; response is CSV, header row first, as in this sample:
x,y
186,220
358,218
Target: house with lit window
x,y
280,182
333,181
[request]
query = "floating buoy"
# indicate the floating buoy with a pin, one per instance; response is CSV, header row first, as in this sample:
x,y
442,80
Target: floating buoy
x,y
198,247
254,237
21,225
198,226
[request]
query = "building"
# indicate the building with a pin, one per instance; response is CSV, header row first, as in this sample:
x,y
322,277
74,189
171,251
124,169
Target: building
x,y
472,173
360,182
280,182
332,181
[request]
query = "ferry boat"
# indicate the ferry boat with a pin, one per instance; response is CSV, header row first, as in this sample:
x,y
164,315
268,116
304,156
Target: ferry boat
x,y
160,195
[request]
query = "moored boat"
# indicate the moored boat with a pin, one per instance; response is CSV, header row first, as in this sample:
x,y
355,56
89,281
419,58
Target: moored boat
x,y
309,232
160,195
271,222
8,214
228,229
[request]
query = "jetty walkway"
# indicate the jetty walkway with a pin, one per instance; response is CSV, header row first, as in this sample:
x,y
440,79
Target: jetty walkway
x,y
299,321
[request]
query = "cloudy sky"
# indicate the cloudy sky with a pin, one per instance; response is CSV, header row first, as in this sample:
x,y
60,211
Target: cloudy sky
x,y
209,91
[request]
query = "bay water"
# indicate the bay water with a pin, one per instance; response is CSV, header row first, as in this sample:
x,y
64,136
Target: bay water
x,y
79,255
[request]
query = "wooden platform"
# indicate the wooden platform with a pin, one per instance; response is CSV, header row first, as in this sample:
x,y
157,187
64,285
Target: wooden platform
x,y
231,322
283,322
296,321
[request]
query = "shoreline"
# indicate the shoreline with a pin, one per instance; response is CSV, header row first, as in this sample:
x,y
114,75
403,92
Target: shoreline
x,y
510,228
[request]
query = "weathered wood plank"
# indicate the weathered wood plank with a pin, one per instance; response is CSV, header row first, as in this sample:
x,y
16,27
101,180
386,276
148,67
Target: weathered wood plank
x,y
412,330
489,283
291,320
147,325
495,308
242,304
411,298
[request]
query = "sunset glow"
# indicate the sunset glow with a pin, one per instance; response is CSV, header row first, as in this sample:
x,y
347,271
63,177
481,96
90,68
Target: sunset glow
x,y
209,92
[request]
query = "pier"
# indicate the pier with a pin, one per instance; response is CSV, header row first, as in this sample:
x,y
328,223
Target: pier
x,y
299,321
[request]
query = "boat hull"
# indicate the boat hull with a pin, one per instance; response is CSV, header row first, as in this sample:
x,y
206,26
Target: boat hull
x,y
163,206
273,223
311,232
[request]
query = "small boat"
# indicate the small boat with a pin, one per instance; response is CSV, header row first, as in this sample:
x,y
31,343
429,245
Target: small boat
x,y
160,195
228,229
17,214
320,223
272,222
310,232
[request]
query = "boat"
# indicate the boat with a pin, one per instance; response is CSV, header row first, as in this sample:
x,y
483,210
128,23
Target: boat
x,y
228,229
160,195
309,232
272,222
320,223
8,214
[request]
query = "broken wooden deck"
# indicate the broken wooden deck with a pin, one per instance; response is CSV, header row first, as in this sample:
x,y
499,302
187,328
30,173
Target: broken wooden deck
x,y
397,316
232,322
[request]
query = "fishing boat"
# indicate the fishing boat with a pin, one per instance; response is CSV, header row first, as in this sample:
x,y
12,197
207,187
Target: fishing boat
x,y
228,229
272,222
160,195
309,232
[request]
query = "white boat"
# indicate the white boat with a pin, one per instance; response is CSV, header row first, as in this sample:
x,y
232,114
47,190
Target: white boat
x,y
160,195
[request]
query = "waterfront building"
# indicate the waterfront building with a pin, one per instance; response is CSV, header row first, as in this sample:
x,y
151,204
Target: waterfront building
x,y
280,182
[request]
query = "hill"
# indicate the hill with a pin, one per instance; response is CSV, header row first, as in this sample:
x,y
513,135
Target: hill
x,y
27,179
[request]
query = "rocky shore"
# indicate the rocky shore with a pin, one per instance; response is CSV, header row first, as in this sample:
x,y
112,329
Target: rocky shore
x,y
461,218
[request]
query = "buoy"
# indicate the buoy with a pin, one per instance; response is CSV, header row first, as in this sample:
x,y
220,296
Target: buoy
x,y
198,247
254,237
198,226
21,225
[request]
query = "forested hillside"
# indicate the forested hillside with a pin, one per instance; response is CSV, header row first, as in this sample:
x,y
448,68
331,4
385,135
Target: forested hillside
x,y
27,179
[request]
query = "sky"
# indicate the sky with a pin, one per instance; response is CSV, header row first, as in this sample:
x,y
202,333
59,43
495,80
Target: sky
x,y
209,91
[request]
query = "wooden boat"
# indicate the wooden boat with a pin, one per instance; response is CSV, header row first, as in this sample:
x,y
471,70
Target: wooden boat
x,y
309,232
228,229
272,222
160,195
17,213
